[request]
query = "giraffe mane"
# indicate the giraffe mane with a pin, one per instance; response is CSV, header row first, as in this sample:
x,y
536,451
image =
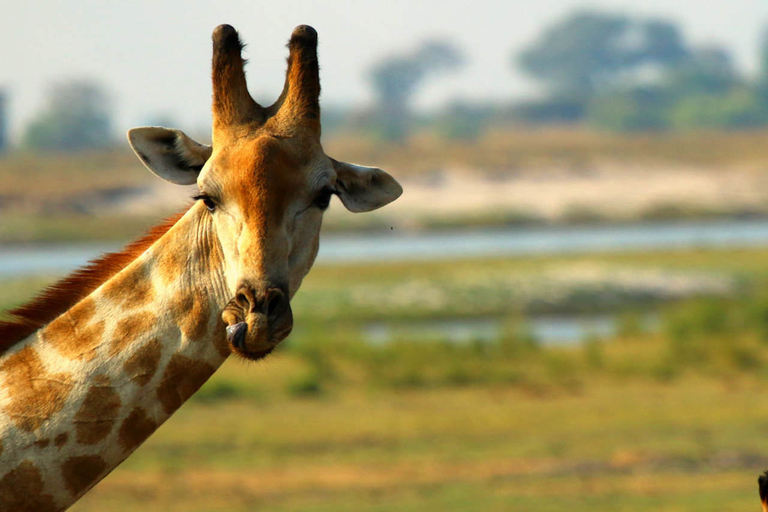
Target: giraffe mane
x,y
62,295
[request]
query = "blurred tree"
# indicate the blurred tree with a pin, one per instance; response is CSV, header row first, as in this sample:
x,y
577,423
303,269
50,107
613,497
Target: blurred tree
x,y
77,116
707,70
3,122
557,109
461,120
396,79
640,108
588,51
695,92
740,108
762,78
638,74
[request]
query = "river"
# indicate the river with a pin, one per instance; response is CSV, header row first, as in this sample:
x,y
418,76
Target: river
x,y
402,246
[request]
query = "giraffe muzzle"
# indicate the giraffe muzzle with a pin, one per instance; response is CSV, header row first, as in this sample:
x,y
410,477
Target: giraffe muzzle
x,y
257,322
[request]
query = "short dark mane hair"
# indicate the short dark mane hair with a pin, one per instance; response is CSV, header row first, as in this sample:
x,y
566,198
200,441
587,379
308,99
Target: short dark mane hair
x,y
59,297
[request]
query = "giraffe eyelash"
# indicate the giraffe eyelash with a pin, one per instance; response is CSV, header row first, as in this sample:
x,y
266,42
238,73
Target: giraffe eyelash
x,y
207,201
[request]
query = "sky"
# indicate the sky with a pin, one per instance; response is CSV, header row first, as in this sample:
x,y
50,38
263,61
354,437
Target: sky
x,y
153,56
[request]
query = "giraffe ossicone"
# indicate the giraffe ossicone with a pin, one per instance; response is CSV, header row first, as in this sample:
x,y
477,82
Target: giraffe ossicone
x,y
95,364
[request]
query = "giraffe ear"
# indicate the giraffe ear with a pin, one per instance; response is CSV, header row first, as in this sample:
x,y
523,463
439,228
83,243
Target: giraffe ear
x,y
363,189
169,153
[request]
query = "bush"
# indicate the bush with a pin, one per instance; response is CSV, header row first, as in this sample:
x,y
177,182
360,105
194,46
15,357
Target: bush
x,y
306,384
218,390
77,117
626,111
738,109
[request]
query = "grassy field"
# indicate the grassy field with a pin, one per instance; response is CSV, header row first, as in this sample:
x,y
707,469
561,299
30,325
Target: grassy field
x,y
668,419
691,446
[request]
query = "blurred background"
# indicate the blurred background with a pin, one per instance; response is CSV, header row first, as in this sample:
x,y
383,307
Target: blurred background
x,y
566,310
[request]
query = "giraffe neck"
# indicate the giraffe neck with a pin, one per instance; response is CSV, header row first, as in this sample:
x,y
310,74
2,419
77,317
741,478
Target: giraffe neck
x,y
81,394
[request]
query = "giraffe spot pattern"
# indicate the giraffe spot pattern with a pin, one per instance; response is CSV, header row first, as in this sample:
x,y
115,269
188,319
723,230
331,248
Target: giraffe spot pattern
x,y
42,443
34,394
136,428
181,379
21,490
81,472
130,328
131,288
73,334
191,313
98,413
171,263
142,365
61,439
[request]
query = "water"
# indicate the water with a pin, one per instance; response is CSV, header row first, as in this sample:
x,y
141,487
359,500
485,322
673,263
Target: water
x,y
393,246
18,261
397,246
454,331
549,330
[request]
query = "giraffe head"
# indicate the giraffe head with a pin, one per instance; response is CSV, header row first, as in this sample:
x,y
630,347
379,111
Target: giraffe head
x,y
265,183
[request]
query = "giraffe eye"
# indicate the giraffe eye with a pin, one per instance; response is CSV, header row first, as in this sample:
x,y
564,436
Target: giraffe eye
x,y
207,201
323,199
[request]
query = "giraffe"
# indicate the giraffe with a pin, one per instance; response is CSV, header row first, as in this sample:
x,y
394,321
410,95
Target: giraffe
x,y
93,366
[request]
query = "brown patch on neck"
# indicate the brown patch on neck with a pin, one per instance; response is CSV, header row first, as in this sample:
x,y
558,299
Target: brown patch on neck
x,y
34,394
131,288
58,298
142,365
181,379
136,428
61,439
82,473
42,443
98,413
129,329
21,490
73,334
192,316
170,263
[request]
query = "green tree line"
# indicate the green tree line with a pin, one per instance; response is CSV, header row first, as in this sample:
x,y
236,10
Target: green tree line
x,y
620,72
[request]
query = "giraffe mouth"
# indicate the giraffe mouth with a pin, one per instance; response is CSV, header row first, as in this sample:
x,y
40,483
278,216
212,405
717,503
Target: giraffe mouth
x,y
254,335
236,334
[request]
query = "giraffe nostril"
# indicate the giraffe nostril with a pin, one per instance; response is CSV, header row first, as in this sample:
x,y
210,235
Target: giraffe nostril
x,y
275,303
271,302
242,301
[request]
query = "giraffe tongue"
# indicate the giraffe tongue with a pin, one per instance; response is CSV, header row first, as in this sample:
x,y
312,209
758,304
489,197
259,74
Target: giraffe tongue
x,y
236,334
